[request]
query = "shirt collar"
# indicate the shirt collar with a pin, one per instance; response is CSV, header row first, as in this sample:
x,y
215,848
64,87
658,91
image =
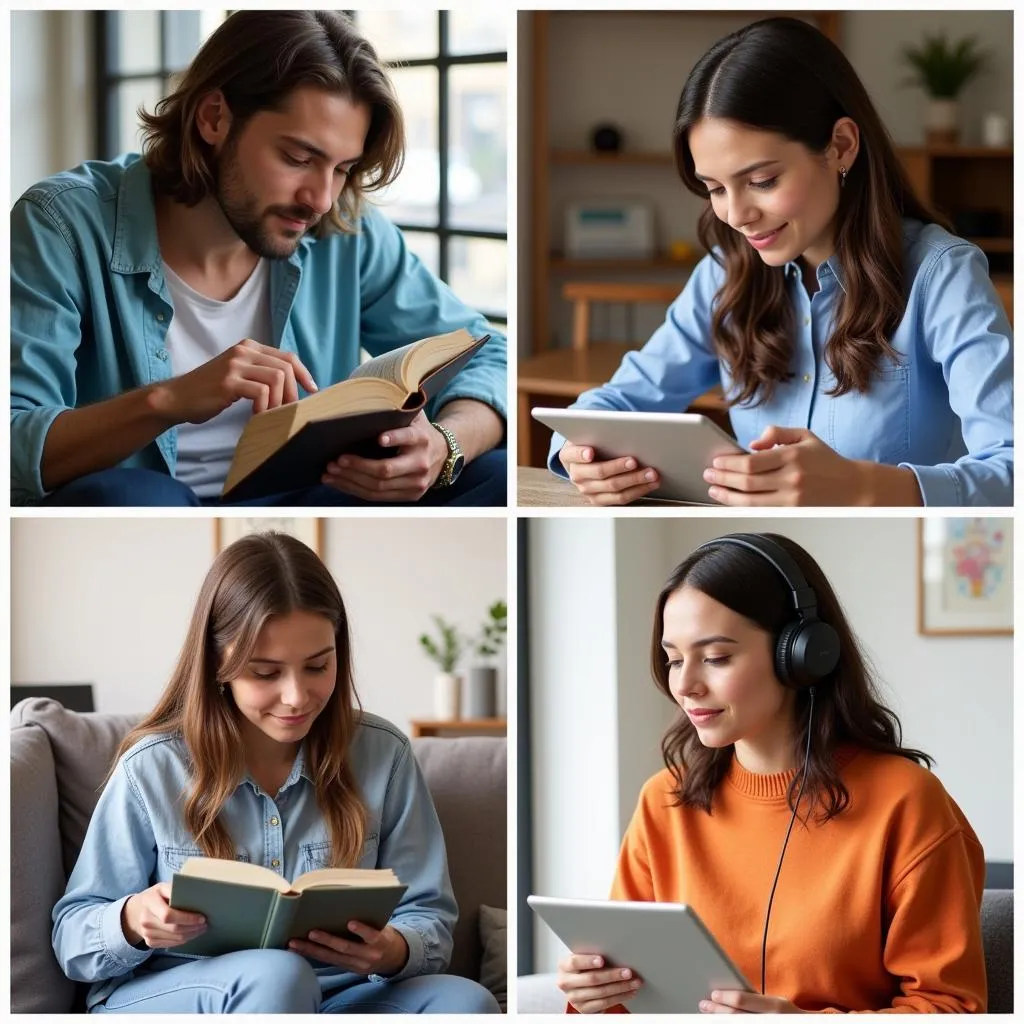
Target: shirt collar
x,y
136,248
830,268
299,771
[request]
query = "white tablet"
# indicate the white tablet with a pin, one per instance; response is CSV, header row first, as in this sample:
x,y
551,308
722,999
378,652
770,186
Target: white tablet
x,y
679,445
666,944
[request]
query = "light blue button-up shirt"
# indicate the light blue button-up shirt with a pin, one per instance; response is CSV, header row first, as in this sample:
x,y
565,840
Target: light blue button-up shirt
x,y
945,411
90,308
137,837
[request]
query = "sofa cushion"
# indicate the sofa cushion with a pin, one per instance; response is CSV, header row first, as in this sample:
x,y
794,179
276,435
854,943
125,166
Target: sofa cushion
x,y
997,932
494,960
83,746
466,776
38,985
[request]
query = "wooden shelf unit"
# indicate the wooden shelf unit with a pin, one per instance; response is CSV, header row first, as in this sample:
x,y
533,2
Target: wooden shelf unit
x,y
458,727
543,262
942,174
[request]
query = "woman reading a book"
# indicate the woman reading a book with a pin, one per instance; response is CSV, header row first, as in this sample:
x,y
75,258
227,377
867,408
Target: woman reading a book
x,y
831,866
258,751
862,348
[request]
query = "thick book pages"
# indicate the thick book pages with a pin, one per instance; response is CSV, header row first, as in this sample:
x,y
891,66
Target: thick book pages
x,y
289,447
249,907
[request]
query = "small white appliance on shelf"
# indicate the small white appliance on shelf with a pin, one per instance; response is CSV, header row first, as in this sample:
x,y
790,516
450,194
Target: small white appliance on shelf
x,y
609,229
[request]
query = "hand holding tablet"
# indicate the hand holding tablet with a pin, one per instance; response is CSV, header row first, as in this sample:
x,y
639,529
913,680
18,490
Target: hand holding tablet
x,y
628,446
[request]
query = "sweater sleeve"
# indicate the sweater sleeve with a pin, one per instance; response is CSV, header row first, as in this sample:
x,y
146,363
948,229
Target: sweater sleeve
x,y
933,941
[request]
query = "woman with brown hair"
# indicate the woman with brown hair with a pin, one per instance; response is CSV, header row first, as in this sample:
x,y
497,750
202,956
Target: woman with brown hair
x,y
862,348
870,902
259,751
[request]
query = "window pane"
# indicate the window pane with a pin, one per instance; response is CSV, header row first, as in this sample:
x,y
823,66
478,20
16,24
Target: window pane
x,y
181,39
479,273
413,198
478,131
128,97
400,35
477,30
138,41
426,247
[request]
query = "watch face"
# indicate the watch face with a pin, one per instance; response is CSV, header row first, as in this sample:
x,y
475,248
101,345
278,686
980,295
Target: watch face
x,y
457,467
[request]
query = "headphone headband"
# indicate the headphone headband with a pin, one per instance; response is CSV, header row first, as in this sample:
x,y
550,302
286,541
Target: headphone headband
x,y
804,600
807,649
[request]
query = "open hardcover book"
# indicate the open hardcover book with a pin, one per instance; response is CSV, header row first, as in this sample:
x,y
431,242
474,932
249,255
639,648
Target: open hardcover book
x,y
250,907
289,447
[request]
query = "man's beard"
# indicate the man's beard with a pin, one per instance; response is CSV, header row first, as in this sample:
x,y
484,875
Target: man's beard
x,y
241,210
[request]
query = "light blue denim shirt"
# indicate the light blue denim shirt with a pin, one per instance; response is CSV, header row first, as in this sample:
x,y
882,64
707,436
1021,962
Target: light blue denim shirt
x,y
137,837
90,308
945,411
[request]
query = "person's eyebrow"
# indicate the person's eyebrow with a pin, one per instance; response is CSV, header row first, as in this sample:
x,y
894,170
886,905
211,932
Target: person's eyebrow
x,y
316,151
308,657
705,641
740,173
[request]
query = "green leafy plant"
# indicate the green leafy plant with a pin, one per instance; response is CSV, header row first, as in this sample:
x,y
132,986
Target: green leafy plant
x,y
943,68
446,649
492,636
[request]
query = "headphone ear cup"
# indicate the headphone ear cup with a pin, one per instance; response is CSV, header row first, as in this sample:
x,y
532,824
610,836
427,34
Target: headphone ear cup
x,y
784,668
806,652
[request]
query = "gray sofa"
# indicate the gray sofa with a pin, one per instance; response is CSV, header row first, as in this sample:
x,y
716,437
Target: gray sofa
x,y
537,993
59,759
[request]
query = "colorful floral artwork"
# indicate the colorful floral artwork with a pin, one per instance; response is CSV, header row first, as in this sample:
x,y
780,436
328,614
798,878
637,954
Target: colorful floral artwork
x,y
966,567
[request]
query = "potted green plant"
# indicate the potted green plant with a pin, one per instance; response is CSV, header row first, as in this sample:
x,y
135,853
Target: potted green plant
x,y
942,69
445,649
482,689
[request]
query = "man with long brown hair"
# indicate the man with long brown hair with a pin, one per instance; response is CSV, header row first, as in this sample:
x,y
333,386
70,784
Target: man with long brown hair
x,y
158,301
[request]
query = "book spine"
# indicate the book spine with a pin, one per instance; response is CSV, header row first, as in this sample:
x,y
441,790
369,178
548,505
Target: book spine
x,y
279,922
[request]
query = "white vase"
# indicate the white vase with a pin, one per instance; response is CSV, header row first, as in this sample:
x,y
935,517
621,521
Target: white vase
x,y
943,122
447,696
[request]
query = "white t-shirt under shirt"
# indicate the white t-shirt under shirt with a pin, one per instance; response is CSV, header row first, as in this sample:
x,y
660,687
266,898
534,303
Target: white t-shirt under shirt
x,y
200,330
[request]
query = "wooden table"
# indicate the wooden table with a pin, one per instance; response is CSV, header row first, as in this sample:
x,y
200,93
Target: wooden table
x,y
540,487
458,727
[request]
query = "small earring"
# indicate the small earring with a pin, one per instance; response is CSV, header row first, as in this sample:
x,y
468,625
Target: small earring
x,y
220,689
842,177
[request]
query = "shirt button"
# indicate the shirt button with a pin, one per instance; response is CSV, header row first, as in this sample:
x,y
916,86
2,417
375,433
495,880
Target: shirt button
x,y
160,317
274,821
161,353
807,321
275,863
807,378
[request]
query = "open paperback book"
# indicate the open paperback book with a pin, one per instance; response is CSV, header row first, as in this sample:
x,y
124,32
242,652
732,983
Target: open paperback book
x,y
250,907
289,447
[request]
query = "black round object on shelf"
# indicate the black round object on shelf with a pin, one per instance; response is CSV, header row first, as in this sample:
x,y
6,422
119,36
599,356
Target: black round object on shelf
x,y
606,138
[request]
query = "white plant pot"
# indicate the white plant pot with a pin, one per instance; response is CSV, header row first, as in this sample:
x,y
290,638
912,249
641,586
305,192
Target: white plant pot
x,y
943,121
447,696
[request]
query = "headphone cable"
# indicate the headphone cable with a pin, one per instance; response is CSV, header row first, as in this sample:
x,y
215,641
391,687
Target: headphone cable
x,y
771,897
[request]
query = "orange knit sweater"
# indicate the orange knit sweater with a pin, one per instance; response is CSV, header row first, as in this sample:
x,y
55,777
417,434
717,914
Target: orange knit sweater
x,y
877,910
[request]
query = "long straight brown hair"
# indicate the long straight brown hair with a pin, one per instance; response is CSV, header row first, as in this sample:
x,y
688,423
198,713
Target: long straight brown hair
x,y
847,707
782,75
256,59
250,581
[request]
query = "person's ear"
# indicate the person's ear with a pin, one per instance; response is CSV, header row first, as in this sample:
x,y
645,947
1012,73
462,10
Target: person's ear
x,y
845,143
213,118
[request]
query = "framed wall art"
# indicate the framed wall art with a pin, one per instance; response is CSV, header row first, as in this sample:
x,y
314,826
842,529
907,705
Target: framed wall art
x,y
965,576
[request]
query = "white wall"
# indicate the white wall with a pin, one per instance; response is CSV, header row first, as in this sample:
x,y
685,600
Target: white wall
x,y
52,95
953,695
107,601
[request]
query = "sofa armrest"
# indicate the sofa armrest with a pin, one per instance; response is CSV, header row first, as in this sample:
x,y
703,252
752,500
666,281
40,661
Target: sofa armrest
x,y
538,993
38,985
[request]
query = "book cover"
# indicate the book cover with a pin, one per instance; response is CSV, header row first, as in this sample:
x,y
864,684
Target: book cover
x,y
302,459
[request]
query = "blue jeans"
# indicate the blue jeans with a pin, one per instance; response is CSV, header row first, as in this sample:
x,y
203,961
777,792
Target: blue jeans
x,y
278,981
481,483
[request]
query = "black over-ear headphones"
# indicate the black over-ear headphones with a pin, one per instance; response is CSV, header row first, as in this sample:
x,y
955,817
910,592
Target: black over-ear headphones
x,y
807,649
